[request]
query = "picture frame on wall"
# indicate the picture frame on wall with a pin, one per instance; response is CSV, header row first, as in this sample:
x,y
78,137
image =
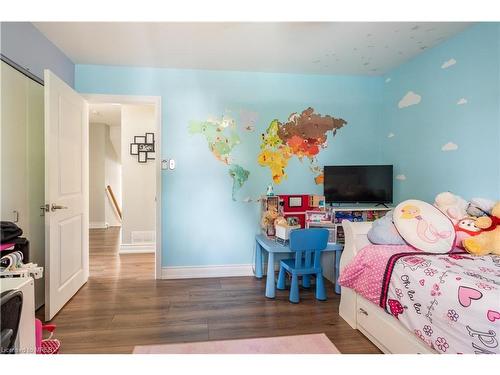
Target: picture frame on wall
x,y
295,201
147,147
134,149
143,157
140,139
150,138
143,147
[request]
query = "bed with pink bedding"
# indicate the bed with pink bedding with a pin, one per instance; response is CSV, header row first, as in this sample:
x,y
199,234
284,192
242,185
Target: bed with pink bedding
x,y
450,301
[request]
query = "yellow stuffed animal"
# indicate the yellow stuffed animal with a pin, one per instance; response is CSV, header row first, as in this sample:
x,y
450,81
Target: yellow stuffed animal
x,y
488,241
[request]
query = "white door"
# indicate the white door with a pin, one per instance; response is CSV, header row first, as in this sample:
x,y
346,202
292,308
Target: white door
x,y
66,193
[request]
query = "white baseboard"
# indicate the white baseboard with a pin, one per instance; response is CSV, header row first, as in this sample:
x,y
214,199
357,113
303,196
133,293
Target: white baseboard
x,y
98,225
194,272
137,248
231,270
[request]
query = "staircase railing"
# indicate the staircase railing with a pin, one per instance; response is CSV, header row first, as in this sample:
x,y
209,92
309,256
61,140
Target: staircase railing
x,y
113,201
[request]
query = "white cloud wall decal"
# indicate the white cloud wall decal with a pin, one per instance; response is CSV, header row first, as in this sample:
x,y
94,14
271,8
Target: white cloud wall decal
x,y
390,135
409,99
462,101
448,63
401,177
387,80
450,146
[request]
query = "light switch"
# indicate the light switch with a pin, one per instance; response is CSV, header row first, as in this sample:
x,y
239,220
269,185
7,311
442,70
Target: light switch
x,y
168,164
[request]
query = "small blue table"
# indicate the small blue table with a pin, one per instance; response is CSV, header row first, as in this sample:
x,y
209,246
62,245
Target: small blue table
x,y
272,247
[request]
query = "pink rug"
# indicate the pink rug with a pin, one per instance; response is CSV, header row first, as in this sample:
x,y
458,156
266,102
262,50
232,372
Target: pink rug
x,y
302,344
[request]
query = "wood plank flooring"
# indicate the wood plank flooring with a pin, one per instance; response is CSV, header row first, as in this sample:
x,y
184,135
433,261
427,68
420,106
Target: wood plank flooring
x,y
122,306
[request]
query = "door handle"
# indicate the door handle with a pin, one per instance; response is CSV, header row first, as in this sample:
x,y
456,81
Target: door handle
x,y
57,207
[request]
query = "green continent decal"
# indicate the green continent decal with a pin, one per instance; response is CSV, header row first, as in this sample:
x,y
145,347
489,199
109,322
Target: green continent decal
x,y
222,137
239,176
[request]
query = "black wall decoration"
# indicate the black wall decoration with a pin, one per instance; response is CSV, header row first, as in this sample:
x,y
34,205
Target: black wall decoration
x,y
143,146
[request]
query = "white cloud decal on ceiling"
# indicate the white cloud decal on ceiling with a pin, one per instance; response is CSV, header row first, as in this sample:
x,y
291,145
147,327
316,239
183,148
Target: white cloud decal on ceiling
x,y
450,146
390,135
409,99
401,177
448,63
462,101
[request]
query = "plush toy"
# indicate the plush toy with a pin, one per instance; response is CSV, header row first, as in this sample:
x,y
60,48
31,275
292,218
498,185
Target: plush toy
x,y
267,221
453,206
487,242
465,228
280,220
480,207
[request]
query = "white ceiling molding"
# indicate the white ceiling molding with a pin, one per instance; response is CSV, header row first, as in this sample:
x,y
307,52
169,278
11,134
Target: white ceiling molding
x,y
357,48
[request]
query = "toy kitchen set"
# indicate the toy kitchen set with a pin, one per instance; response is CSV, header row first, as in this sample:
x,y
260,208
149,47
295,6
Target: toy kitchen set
x,y
280,214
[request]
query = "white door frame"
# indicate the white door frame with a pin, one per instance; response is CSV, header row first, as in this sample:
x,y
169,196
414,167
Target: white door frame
x,y
156,101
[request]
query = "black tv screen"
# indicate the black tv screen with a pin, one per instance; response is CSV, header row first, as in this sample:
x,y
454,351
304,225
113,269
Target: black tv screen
x,y
358,184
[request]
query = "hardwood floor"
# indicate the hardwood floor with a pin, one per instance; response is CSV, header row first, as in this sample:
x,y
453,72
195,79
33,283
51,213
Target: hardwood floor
x,y
122,306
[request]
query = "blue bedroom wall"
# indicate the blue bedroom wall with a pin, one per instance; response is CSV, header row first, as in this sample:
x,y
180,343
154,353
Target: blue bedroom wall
x,y
22,43
446,136
202,225
436,118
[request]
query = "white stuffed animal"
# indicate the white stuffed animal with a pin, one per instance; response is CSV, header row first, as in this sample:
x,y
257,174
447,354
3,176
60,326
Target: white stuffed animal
x,y
480,207
453,206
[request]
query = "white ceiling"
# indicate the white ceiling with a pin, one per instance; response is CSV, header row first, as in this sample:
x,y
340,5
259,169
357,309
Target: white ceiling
x,y
367,48
109,114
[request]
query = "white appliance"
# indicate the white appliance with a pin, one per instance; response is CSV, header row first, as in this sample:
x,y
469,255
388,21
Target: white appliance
x,y
25,342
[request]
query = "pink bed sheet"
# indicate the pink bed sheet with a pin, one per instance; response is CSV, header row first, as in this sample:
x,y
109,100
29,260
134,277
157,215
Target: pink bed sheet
x,y
365,272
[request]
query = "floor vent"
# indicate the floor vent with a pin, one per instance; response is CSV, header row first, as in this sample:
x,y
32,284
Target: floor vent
x,y
143,237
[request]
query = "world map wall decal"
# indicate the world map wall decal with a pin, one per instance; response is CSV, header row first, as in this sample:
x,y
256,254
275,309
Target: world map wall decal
x,y
303,135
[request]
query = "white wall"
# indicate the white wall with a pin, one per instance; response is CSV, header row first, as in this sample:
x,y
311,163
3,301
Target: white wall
x,y
138,182
97,194
113,173
105,169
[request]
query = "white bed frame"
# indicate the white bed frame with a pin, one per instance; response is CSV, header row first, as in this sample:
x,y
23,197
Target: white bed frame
x,y
387,333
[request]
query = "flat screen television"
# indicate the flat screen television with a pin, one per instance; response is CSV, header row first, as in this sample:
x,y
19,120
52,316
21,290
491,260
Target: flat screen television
x,y
358,184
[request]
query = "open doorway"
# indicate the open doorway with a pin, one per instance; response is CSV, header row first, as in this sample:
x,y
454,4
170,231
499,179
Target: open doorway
x,y
45,183
123,186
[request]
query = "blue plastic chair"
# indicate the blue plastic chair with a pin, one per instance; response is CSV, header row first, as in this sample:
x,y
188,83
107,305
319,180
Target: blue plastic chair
x,y
307,245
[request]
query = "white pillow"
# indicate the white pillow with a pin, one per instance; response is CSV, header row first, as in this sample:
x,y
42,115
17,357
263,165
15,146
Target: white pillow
x,y
424,227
